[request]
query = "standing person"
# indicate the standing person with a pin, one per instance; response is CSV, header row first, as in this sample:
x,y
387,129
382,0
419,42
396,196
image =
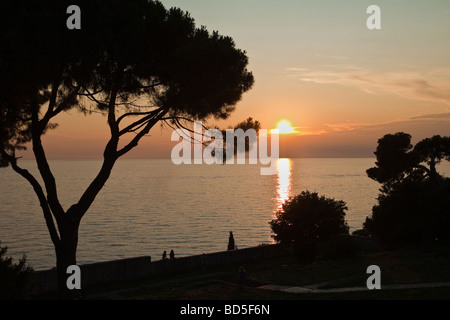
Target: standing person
x,y
242,276
164,255
172,255
231,244
203,262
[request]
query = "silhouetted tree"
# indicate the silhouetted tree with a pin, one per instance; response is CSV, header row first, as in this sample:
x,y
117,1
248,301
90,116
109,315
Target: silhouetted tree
x,y
308,218
432,151
231,244
136,62
248,124
15,279
414,204
412,212
398,159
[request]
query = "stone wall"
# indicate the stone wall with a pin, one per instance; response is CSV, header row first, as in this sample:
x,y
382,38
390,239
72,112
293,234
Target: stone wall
x,y
127,269
124,269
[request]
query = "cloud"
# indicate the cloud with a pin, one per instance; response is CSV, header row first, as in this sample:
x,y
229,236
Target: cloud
x,y
359,139
431,122
433,116
433,85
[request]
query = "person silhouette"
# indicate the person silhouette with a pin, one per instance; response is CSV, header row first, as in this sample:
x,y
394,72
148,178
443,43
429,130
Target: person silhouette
x,y
164,255
172,255
242,276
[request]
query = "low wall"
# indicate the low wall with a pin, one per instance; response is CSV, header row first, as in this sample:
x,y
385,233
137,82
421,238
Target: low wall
x,y
215,259
124,269
132,268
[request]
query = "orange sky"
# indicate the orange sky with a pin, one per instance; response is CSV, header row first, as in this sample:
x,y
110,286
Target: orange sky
x,y
317,65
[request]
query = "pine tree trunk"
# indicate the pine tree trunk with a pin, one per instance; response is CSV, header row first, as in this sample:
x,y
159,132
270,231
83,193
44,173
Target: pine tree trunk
x,y
66,253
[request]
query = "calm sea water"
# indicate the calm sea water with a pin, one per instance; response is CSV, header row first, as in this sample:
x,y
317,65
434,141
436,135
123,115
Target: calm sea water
x,y
149,206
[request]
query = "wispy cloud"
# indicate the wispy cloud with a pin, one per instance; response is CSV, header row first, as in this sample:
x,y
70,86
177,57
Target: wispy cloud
x,y
430,86
433,116
329,128
441,120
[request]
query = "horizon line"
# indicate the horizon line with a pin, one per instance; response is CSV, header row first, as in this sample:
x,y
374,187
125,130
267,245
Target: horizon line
x,y
168,158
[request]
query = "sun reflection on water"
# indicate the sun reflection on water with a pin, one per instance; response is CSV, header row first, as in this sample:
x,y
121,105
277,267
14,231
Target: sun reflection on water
x,y
284,186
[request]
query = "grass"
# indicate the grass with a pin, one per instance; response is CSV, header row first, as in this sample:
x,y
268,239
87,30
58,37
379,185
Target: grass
x,y
404,266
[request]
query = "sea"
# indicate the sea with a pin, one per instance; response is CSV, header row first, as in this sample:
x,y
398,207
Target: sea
x,y
153,205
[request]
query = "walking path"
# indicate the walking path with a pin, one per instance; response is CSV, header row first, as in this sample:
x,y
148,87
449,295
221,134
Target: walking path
x,y
315,288
291,289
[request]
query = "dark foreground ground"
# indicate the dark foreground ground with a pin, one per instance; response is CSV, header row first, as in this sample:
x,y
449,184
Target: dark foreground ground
x,y
416,266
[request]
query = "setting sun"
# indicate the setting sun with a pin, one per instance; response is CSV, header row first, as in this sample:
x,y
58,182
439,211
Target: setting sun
x,y
283,127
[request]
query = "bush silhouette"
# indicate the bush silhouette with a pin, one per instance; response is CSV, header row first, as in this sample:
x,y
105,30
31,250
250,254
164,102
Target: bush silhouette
x,y
15,278
306,219
413,212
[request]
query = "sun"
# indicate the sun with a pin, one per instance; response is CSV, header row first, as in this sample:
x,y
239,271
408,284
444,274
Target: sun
x,y
284,127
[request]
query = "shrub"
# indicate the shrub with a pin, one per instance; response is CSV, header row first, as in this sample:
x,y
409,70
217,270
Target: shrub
x,y
307,219
412,212
15,278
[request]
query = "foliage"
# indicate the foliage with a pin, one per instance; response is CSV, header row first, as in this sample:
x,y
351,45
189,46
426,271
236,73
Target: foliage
x,y
397,159
413,212
393,159
125,52
15,278
309,217
414,204
247,124
135,62
360,233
